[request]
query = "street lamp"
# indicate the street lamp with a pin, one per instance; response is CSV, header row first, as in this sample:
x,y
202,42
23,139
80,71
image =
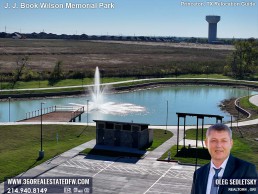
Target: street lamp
x,y
238,102
207,68
87,112
1,81
166,119
9,98
41,152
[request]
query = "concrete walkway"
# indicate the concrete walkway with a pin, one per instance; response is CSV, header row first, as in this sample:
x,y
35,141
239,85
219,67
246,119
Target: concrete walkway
x,y
159,151
254,100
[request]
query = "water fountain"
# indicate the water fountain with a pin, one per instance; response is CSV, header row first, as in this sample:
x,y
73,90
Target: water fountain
x,y
100,104
98,92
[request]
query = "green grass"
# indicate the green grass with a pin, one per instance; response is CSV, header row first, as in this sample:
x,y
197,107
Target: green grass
x,y
65,82
246,104
191,134
209,76
77,82
87,81
20,145
184,160
159,137
244,147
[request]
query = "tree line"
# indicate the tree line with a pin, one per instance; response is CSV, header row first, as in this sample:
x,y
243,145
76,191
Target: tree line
x,y
43,35
243,63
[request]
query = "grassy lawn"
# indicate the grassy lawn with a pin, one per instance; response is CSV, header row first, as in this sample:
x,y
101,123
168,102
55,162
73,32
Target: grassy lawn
x,y
191,134
20,145
247,105
245,146
159,137
88,81
182,79
185,160
65,82
209,76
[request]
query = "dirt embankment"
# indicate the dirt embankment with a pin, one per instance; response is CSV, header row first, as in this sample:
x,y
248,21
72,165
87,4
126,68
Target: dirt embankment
x,y
228,105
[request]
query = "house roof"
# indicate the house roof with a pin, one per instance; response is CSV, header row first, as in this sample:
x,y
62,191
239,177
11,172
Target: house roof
x,y
119,122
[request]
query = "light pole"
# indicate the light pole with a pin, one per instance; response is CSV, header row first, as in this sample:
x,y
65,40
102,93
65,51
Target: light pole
x,y
238,102
41,152
87,112
9,98
40,75
166,119
1,81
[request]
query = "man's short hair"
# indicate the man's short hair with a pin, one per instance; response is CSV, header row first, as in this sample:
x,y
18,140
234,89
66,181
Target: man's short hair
x,y
219,127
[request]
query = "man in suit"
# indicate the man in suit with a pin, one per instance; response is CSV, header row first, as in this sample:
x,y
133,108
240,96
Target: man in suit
x,y
219,143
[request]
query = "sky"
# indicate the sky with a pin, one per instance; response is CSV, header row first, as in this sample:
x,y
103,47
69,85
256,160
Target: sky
x,y
131,17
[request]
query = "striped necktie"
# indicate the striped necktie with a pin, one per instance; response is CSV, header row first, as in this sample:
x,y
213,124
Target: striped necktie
x,y
214,188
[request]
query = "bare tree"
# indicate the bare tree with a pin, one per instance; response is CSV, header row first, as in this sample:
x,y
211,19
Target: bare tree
x,y
21,63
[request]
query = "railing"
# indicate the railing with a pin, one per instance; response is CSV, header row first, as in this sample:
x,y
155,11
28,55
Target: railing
x,y
67,108
77,112
37,113
243,111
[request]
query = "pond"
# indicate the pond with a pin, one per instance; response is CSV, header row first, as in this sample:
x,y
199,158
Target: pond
x,y
142,106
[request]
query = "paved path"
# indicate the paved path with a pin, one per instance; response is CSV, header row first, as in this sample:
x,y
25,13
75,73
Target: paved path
x,y
158,152
254,100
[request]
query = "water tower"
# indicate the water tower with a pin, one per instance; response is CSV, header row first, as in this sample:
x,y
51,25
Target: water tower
x,y
212,20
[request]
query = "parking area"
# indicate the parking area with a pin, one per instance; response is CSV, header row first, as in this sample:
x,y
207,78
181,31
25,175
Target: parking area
x,y
128,175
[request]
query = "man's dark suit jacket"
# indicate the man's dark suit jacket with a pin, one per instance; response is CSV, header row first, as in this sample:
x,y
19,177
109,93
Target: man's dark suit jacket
x,y
235,168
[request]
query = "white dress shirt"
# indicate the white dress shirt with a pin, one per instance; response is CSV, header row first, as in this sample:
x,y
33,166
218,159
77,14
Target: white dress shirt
x,y
212,173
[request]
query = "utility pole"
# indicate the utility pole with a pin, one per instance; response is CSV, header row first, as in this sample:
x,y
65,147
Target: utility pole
x,y
9,98
166,119
87,112
41,152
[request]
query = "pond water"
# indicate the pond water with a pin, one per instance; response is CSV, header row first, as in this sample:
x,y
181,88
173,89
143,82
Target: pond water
x,y
142,106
